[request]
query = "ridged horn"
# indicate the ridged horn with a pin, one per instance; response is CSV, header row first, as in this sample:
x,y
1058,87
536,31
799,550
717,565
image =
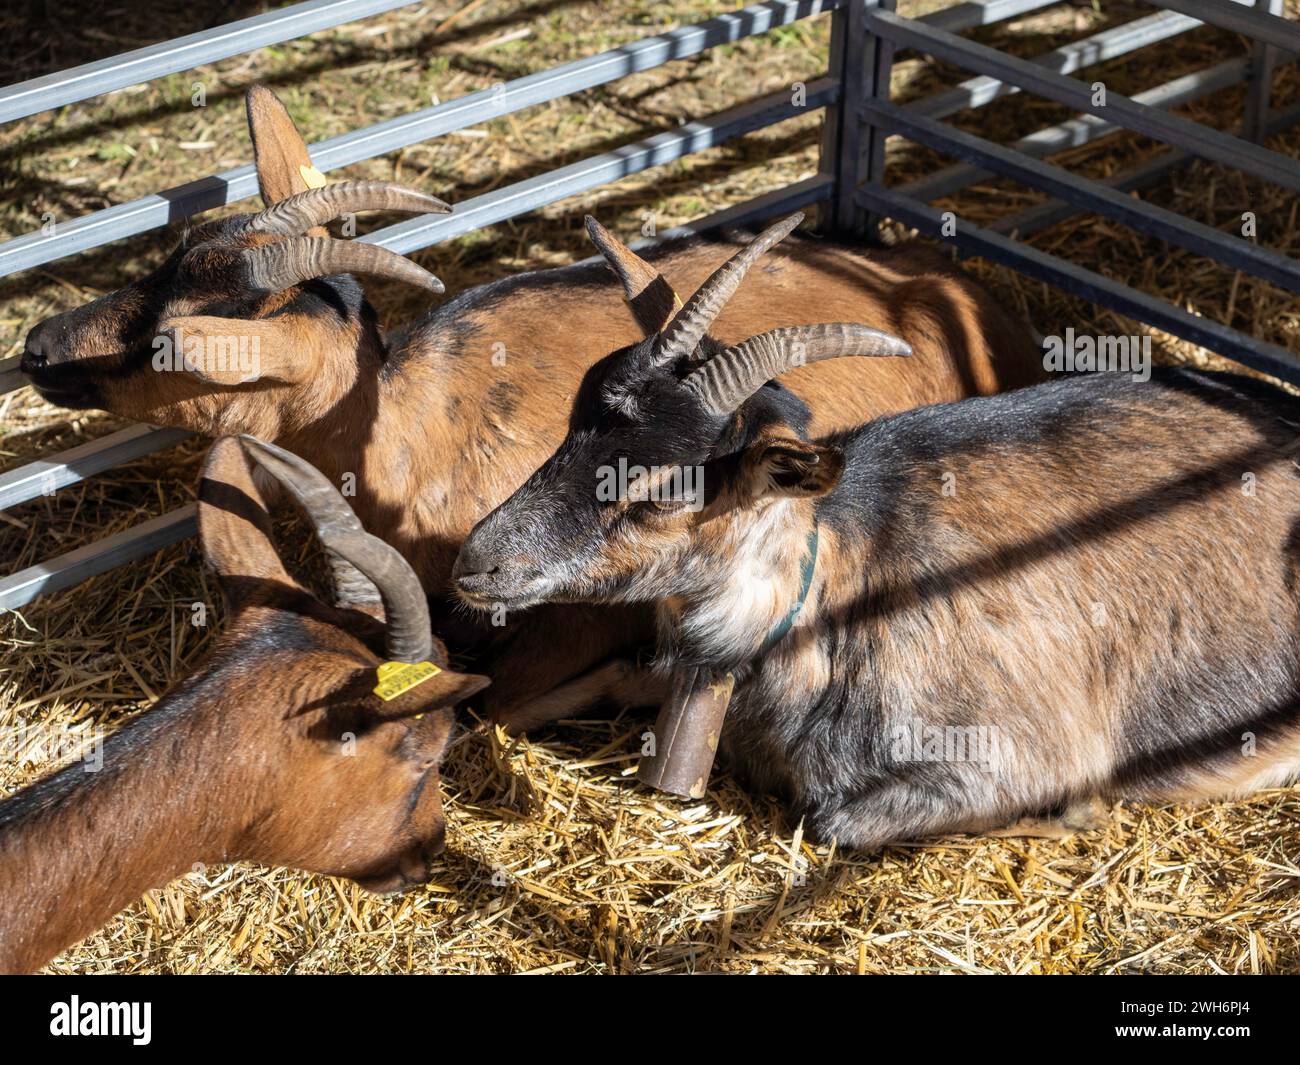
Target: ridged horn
x,y
275,267
406,610
728,379
684,332
296,214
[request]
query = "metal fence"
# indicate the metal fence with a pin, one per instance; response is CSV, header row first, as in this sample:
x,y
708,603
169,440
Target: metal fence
x,y
850,181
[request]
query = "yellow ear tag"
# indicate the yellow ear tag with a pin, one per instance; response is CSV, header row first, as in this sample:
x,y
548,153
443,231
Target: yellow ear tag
x,y
398,677
314,178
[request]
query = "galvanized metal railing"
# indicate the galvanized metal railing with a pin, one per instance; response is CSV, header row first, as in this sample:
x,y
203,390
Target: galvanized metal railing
x,y
860,116
183,53
887,31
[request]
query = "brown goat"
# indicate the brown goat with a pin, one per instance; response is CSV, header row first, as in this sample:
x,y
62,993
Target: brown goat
x,y
277,750
950,618
442,422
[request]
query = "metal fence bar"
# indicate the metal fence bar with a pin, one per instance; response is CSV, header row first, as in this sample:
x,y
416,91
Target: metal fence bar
x,y
184,53
230,186
1263,59
10,378
1169,226
1267,358
65,570
44,476
858,146
1041,216
1099,48
1084,129
845,45
544,189
1257,25
1173,130
968,16
872,163
811,190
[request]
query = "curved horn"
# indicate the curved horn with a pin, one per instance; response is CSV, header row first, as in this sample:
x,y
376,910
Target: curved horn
x,y
275,267
298,213
406,610
728,379
688,327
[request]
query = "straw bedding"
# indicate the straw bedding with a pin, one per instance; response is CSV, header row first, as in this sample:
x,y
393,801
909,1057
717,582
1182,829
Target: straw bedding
x,y
557,861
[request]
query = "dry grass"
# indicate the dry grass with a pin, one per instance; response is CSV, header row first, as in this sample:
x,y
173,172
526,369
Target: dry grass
x,y
556,860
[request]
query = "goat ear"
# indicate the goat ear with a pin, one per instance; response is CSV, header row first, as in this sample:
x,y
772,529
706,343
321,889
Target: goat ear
x,y
235,525
446,689
788,466
650,296
236,351
283,165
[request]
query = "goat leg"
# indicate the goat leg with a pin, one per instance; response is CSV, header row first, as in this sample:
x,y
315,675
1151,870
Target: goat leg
x,y
620,681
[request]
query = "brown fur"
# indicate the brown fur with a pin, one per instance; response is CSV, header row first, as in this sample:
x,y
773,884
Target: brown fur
x,y
274,751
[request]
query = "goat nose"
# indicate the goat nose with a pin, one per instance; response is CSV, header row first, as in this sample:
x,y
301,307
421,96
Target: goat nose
x,y
471,563
36,351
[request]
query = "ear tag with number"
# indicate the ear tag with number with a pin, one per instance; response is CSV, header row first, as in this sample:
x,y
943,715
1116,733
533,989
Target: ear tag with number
x,y
398,677
314,178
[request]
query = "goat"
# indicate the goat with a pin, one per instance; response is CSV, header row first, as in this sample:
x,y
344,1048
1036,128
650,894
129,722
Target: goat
x,y
441,422
951,617
277,750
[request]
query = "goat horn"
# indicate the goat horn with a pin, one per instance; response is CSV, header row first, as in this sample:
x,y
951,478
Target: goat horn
x,y
648,293
684,332
275,267
296,214
406,611
729,378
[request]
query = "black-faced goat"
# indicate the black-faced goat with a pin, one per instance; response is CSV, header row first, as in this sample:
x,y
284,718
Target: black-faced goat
x,y
948,618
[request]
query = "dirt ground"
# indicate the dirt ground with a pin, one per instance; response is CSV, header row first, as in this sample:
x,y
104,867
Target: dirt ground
x,y
556,861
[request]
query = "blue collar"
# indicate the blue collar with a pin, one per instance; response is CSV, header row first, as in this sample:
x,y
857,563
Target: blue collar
x,y
805,584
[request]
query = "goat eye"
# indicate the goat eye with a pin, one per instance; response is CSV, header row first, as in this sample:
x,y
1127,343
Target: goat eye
x,y
666,506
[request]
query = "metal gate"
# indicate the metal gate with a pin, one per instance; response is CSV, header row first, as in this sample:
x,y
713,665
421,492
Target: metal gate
x,y
850,182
